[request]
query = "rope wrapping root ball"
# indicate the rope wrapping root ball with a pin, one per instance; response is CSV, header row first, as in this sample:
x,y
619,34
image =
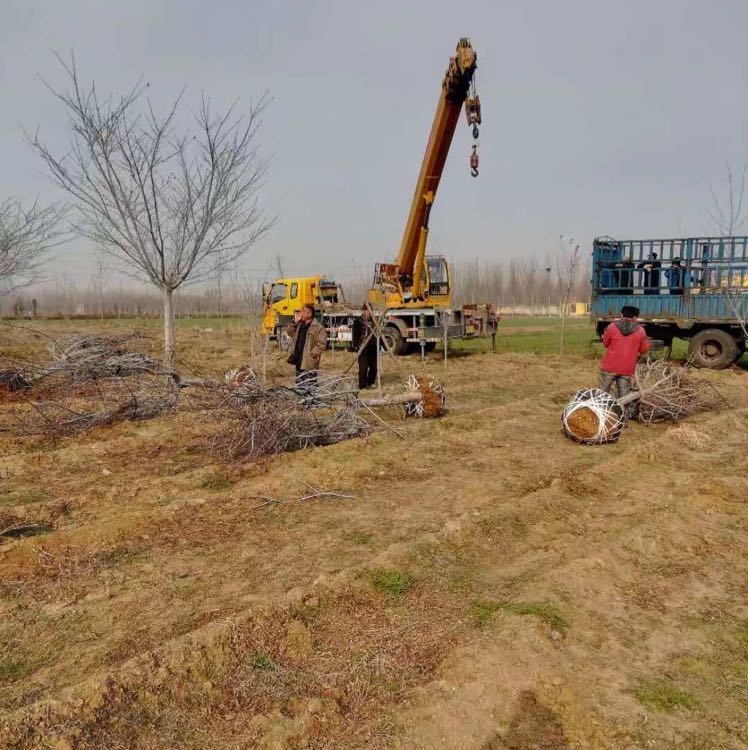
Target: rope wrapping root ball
x,y
593,417
433,401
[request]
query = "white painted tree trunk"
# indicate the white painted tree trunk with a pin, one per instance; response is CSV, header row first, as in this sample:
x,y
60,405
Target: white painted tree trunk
x,y
168,328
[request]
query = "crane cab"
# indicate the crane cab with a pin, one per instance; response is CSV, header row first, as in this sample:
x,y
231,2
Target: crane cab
x,y
394,289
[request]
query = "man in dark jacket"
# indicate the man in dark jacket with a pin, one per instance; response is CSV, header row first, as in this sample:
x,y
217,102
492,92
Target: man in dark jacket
x,y
308,342
367,350
651,268
677,277
625,340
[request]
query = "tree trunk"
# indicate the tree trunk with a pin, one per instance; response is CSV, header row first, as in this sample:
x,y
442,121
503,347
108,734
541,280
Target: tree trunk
x,y
168,327
564,315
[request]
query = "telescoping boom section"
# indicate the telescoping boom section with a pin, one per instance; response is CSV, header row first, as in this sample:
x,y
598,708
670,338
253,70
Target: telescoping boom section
x,y
408,281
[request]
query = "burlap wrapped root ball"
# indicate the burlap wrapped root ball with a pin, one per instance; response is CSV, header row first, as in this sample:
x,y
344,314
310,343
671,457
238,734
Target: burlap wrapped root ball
x,y
593,417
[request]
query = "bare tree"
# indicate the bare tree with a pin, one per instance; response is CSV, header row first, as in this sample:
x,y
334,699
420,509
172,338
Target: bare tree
x,y
277,267
26,236
173,207
99,282
729,214
567,265
736,298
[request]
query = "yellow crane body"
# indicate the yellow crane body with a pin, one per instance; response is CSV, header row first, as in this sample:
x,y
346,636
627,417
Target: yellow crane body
x,y
407,282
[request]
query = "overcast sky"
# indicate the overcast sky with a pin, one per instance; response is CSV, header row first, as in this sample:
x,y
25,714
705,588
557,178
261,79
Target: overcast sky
x,y
600,117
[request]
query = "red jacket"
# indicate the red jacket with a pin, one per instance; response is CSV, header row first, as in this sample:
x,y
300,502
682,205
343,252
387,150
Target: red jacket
x,y
625,340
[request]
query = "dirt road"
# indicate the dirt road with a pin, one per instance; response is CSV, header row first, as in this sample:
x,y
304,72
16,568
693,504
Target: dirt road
x,y
492,585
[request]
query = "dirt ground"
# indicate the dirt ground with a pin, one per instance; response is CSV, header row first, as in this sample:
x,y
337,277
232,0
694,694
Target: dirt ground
x,y
491,586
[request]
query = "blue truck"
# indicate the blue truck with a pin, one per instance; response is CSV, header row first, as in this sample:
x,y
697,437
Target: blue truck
x,y
694,289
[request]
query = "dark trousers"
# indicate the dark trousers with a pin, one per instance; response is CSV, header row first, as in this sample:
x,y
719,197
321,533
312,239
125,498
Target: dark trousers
x,y
367,366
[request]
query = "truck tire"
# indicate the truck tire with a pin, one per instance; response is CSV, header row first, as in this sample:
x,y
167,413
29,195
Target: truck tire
x,y
741,349
394,339
713,348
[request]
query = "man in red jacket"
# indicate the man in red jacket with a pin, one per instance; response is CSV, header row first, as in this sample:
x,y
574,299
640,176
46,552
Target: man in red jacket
x,y
625,340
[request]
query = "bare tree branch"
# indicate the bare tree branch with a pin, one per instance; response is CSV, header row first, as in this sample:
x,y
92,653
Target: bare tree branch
x,y
567,265
26,237
728,214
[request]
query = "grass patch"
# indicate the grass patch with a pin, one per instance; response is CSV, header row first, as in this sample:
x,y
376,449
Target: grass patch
x,y
263,663
483,611
743,632
662,694
580,339
24,498
391,582
15,669
361,537
217,483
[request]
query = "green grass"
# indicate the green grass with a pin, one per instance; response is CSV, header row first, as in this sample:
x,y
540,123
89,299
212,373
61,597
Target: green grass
x,y
580,339
13,669
391,582
24,498
263,663
577,340
662,694
361,537
743,633
483,612
217,483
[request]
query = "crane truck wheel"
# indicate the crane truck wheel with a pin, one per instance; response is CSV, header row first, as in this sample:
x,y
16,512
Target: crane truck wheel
x,y
741,350
713,348
394,339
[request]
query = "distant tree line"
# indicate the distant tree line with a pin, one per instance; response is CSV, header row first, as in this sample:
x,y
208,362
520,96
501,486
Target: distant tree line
x,y
516,286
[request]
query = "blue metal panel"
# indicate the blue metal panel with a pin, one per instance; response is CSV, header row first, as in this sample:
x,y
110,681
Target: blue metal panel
x,y
682,280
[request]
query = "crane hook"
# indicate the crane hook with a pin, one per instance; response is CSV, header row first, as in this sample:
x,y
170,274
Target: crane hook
x,y
476,132
474,161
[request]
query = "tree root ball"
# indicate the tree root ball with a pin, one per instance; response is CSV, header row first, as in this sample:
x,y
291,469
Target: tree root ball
x,y
583,423
433,401
593,416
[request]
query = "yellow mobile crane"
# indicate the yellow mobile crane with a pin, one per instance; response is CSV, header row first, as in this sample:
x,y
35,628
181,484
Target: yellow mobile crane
x,y
417,280
415,290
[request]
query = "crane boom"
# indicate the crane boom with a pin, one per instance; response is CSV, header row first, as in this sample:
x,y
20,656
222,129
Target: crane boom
x,y
455,88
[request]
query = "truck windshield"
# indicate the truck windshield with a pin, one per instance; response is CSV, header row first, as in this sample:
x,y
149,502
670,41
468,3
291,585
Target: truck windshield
x,y
437,270
278,293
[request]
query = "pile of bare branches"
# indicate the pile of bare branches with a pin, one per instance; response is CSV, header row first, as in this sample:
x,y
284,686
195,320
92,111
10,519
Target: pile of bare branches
x,y
668,393
258,421
94,381
98,403
81,358
89,381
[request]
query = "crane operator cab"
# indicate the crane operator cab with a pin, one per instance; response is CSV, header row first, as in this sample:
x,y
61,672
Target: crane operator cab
x,y
395,289
438,279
